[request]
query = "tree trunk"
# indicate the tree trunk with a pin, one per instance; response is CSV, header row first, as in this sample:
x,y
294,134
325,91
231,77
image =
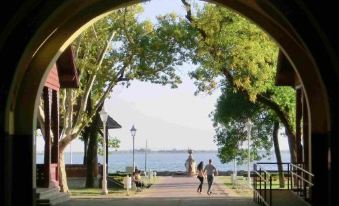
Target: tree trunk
x,y
278,154
62,169
86,135
92,160
87,130
292,145
62,172
85,151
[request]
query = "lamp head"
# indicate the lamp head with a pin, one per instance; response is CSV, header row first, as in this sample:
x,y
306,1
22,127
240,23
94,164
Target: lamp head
x,y
103,115
133,130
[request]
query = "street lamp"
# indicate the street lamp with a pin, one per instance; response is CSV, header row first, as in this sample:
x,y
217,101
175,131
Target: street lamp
x,y
103,116
133,131
249,125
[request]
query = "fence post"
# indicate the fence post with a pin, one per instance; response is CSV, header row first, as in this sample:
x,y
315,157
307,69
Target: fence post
x,y
292,178
260,184
265,185
289,176
270,190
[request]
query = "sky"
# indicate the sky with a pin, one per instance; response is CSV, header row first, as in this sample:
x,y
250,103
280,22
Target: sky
x,y
167,118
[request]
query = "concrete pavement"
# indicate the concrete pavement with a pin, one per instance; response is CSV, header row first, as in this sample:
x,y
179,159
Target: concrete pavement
x,y
171,191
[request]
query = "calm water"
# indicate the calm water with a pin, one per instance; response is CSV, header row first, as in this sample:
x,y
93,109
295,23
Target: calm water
x,y
160,161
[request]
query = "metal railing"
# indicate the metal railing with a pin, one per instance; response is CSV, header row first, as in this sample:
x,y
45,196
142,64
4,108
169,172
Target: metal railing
x,y
301,181
260,193
275,172
297,178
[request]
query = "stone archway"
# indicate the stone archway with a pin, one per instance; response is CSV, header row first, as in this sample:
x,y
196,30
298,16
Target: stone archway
x,y
49,27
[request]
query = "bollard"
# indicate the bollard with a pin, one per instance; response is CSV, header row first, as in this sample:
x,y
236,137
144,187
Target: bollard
x,y
127,183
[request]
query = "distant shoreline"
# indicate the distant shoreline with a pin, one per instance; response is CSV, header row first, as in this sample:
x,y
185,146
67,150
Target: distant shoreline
x,y
149,151
155,151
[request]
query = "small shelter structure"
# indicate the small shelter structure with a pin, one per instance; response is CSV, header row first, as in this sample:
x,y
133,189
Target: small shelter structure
x,y
62,75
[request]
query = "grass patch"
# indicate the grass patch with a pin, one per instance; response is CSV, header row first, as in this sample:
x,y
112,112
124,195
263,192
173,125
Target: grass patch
x,y
114,192
78,192
240,189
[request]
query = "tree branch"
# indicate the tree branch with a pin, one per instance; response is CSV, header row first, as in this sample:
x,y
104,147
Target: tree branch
x,y
190,18
278,111
92,79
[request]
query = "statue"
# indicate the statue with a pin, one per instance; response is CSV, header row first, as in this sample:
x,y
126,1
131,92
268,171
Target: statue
x,y
190,164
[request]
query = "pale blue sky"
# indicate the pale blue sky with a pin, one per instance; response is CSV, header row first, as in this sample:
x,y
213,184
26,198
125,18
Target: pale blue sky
x,y
166,118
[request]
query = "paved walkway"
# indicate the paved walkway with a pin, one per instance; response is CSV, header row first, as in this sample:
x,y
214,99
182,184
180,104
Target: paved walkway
x,y
182,187
172,191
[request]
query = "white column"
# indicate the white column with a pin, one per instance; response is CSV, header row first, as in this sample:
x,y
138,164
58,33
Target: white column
x,y
133,155
104,168
146,158
249,156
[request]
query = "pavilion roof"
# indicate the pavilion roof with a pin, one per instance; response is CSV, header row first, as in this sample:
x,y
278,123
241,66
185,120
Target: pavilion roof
x,y
286,75
68,74
111,123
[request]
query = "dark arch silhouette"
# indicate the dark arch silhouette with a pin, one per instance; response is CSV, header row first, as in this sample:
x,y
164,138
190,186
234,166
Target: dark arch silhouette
x,y
34,33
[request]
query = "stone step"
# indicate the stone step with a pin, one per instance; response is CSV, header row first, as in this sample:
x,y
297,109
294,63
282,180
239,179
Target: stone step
x,y
50,196
61,197
45,193
53,200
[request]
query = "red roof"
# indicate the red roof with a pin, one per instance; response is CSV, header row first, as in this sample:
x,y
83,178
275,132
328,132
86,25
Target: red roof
x,y
64,73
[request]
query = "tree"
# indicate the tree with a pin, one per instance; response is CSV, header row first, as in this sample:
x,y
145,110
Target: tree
x,y
230,117
115,50
230,47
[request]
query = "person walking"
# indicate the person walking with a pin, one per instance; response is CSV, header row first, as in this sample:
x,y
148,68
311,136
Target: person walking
x,y
210,170
200,175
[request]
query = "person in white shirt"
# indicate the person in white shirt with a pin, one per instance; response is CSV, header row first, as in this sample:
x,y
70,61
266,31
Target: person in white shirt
x,y
210,170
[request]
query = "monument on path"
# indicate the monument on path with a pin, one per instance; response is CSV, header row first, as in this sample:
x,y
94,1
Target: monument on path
x,y
190,164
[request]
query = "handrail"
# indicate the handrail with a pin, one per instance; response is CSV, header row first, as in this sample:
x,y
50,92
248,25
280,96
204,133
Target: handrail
x,y
261,198
298,179
302,181
302,178
264,170
260,194
265,179
302,169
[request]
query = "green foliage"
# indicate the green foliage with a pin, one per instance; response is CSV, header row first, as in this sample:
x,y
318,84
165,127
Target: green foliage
x,y
230,117
113,143
120,48
234,44
232,52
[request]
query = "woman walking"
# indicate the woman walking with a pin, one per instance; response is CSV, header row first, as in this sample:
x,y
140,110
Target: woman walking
x,y
201,175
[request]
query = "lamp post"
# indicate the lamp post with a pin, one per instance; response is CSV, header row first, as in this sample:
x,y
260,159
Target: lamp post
x,y
146,158
103,116
249,125
133,131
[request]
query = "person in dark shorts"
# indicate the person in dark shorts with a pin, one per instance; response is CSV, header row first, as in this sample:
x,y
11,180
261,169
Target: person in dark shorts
x,y
210,170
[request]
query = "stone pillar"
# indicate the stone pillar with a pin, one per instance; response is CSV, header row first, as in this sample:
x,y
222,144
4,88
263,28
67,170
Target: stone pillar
x,y
306,137
321,191
55,126
54,171
298,124
47,92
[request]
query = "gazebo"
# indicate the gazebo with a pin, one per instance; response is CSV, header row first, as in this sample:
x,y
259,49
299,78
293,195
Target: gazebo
x,y
111,124
62,75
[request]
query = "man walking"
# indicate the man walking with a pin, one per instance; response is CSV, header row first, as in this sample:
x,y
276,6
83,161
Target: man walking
x,y
210,170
